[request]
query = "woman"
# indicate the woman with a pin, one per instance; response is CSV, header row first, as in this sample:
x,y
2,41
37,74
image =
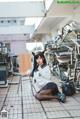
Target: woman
x,y
46,89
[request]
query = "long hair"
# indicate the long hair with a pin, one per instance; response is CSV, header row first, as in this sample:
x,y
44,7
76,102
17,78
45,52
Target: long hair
x,y
35,65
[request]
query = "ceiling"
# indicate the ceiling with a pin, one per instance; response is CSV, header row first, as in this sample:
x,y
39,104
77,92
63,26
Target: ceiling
x,y
49,23
57,16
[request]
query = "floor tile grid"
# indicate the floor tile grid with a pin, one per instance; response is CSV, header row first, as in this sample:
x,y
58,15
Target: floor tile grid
x,y
69,111
2,97
76,102
33,108
13,102
33,114
69,114
44,108
70,107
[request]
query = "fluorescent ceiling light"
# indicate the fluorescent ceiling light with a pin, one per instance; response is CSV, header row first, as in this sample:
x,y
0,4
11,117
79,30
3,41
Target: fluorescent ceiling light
x,y
33,21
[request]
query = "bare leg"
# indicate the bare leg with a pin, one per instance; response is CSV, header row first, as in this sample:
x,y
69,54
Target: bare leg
x,y
45,95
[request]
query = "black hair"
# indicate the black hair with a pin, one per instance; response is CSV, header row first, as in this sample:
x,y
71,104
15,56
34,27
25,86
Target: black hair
x,y
40,54
35,65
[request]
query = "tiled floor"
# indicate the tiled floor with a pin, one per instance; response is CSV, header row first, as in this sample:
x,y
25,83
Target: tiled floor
x,y
21,104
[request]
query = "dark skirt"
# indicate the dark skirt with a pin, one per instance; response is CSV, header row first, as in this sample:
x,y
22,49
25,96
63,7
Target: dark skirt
x,y
53,86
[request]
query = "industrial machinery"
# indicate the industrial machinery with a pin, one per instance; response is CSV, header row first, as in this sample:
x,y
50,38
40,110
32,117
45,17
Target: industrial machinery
x,y
3,65
64,54
77,62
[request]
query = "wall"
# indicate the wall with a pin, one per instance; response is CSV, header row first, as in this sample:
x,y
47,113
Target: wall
x,y
18,47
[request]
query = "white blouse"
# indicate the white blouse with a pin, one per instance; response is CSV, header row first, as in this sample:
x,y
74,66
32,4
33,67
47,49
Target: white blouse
x,y
41,77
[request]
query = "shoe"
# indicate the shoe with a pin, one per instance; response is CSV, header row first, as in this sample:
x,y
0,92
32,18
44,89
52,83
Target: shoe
x,y
61,97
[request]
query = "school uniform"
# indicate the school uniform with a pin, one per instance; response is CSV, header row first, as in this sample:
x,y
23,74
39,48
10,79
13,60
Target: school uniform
x,y
42,79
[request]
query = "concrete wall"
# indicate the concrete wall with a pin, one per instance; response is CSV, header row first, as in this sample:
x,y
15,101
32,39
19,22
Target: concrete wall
x,y
18,47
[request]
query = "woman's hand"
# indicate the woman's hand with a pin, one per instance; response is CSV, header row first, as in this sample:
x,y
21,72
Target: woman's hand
x,y
26,74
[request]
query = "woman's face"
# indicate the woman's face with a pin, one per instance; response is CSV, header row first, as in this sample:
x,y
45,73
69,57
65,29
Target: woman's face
x,y
39,61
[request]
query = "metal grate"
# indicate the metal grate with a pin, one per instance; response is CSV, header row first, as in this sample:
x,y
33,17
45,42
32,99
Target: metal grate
x,y
4,114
